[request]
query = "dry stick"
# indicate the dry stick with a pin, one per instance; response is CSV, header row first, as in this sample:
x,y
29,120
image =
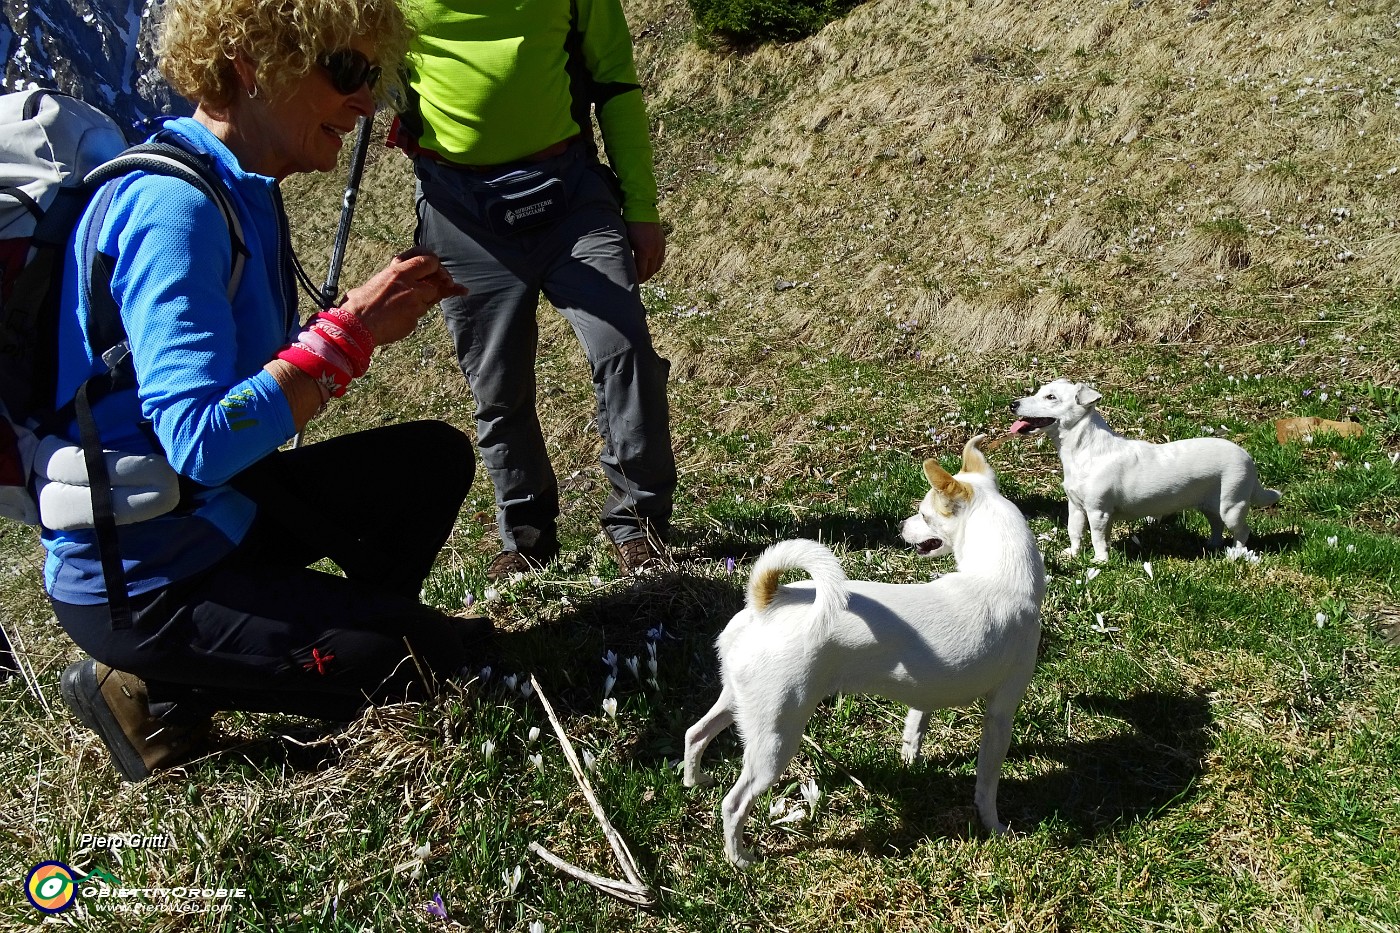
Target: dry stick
x,y
641,897
26,669
619,847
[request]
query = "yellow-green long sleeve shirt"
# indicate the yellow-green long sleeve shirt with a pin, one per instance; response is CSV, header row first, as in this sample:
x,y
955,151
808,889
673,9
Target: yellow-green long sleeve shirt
x,y
492,81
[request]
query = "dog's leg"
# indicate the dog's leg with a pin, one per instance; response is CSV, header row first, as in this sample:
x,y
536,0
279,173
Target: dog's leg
x,y
1217,529
1076,527
699,735
996,739
915,726
1100,523
1237,518
766,754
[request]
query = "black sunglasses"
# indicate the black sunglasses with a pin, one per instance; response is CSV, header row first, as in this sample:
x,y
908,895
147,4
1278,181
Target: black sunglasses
x,y
349,70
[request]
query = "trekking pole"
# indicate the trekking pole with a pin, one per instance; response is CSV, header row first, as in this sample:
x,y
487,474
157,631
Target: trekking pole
x,y
330,291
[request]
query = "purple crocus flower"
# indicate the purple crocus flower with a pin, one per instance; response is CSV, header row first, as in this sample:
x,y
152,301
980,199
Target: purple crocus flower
x,y
436,908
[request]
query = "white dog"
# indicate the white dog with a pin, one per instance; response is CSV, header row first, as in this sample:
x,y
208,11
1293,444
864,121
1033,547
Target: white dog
x,y
1108,477
967,635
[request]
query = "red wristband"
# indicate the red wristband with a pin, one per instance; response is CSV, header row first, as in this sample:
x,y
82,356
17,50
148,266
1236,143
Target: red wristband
x,y
330,332
353,325
332,380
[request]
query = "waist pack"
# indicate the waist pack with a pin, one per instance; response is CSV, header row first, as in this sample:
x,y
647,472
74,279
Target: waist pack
x,y
56,154
524,200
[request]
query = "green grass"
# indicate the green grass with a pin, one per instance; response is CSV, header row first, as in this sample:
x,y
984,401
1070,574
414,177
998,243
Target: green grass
x,y
1195,752
1211,747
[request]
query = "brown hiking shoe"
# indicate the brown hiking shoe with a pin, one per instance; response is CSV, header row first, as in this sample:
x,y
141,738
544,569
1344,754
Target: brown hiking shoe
x,y
508,563
637,554
115,706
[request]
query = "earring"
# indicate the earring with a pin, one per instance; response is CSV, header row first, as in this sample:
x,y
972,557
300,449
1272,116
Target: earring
x,y
253,94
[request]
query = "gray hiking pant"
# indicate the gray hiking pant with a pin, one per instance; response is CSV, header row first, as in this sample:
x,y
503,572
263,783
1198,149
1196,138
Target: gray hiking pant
x,y
582,262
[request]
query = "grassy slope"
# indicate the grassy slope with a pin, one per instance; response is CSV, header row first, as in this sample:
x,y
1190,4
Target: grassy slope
x,y
966,201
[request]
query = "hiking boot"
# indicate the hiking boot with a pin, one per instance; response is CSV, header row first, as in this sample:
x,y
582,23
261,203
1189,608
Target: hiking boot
x,y
508,563
637,554
115,706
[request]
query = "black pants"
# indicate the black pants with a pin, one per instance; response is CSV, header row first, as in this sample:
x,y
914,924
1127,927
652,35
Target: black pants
x,y
260,631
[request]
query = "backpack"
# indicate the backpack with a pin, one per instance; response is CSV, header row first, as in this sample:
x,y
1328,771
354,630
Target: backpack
x,y
56,153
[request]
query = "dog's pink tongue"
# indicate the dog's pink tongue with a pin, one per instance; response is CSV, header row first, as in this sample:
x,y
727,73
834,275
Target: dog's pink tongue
x,y
1022,426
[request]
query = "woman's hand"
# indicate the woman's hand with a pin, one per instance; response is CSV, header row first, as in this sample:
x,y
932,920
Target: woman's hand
x,y
392,302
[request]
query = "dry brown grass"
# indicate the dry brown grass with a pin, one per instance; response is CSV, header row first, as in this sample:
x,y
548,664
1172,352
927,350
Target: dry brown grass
x,y
957,166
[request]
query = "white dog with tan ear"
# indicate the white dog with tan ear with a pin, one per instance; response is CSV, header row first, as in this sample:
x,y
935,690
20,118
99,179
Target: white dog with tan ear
x,y
968,635
1109,478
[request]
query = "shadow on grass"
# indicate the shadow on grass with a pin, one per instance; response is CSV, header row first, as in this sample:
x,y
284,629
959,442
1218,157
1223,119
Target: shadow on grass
x,y
680,612
281,745
1172,538
1035,505
743,539
1102,784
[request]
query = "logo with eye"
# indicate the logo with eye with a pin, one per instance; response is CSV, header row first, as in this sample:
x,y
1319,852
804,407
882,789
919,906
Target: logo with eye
x,y
51,887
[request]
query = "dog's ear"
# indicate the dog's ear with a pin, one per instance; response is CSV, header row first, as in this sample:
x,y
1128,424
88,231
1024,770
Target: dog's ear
x,y
944,484
974,461
1086,395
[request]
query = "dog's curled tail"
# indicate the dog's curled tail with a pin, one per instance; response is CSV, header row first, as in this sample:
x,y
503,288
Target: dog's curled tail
x,y
799,554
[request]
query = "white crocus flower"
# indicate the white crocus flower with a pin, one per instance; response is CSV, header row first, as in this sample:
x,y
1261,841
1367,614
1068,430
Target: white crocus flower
x,y
811,793
610,707
1099,625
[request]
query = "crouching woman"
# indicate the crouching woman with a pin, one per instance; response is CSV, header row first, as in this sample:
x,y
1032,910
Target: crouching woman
x,y
220,609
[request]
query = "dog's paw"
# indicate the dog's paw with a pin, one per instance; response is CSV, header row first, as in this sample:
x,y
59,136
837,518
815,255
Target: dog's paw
x,y
909,753
741,857
698,779
1100,558
1070,552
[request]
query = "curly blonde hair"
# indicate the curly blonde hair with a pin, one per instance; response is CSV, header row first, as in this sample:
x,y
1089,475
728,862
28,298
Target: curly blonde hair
x,y
283,38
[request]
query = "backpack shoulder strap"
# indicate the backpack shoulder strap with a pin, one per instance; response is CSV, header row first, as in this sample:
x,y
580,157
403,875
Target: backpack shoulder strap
x,y
178,162
106,334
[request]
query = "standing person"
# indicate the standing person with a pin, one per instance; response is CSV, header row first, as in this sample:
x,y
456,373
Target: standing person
x,y
225,612
513,198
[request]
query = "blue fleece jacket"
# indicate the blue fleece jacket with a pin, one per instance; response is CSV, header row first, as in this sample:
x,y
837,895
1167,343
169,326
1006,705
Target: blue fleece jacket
x,y
198,360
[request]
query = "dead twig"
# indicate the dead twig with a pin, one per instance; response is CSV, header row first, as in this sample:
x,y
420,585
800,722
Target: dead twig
x,y
25,668
622,890
634,890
